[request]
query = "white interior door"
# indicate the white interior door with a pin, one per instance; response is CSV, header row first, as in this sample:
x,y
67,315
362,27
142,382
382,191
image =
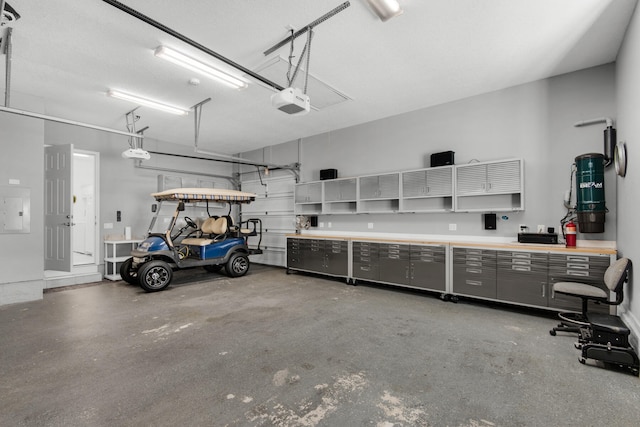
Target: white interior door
x,y
58,215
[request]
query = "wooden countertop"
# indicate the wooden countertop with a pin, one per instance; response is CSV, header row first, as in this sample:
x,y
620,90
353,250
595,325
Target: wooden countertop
x,y
489,245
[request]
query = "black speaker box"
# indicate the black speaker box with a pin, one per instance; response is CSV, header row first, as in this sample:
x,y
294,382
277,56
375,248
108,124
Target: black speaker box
x,y
328,174
490,221
442,159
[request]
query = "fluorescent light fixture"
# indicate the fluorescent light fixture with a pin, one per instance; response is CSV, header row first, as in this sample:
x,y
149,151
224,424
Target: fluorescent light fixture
x,y
147,102
200,67
385,9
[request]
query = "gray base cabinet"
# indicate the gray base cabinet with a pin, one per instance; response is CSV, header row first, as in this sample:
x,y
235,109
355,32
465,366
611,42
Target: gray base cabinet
x,y
417,266
519,276
587,269
365,261
522,278
318,255
474,272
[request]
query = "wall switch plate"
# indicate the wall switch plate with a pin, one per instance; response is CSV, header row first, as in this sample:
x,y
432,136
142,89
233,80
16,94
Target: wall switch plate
x,y
328,225
321,224
370,225
453,227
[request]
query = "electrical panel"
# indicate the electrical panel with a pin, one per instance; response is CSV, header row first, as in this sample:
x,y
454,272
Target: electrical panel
x,y
15,210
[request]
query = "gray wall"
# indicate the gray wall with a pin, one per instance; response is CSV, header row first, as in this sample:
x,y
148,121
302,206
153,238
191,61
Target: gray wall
x,y
22,255
533,121
628,97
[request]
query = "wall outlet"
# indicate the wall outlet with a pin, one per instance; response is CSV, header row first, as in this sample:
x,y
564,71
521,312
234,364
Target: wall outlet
x,y
328,225
321,224
108,225
453,227
370,225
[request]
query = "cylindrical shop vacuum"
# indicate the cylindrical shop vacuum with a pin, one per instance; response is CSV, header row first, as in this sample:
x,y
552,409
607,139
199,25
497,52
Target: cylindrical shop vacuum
x,y
591,207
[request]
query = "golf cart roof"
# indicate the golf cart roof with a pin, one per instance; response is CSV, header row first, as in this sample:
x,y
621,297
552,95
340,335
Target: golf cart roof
x,y
204,194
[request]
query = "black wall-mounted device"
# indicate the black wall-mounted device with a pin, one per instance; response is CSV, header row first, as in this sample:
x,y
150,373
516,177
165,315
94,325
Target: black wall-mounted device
x,y
313,221
442,159
490,221
328,174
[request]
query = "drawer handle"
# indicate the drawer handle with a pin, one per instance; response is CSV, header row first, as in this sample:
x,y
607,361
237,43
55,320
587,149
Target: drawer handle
x,y
365,268
520,268
394,256
578,273
473,282
577,258
520,255
521,262
474,270
578,266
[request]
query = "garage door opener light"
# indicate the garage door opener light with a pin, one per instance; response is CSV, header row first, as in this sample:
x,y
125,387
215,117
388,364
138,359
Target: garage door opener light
x,y
193,64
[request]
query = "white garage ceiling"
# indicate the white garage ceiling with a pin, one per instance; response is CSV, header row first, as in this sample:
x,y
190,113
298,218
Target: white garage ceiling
x,y
70,52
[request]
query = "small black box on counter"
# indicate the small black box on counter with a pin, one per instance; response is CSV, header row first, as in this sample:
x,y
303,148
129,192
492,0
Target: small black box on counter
x,y
328,174
543,238
442,159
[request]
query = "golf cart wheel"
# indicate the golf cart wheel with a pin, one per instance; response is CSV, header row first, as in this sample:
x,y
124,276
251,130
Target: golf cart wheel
x,y
238,265
214,268
155,276
127,273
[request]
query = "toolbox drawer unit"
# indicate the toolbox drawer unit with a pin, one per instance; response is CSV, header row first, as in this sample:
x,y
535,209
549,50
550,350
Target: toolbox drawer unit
x,y
365,261
474,272
587,269
522,278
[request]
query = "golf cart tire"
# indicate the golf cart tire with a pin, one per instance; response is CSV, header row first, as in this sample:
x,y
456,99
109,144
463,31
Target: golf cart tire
x,y
127,273
213,268
238,265
155,276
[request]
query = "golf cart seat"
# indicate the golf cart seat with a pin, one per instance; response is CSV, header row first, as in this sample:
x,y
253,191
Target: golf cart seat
x,y
213,230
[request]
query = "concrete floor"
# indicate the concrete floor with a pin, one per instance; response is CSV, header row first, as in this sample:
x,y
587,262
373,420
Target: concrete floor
x,y
271,349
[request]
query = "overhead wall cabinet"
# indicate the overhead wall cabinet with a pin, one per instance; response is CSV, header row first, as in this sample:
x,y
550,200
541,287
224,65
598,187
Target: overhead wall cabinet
x,y
427,190
476,187
495,186
308,198
379,193
340,195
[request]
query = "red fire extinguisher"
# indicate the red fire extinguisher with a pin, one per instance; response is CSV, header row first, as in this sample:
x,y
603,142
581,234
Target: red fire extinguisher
x,y
570,232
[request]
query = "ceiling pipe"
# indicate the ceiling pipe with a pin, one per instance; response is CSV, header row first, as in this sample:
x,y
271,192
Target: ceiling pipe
x,y
67,122
192,43
609,136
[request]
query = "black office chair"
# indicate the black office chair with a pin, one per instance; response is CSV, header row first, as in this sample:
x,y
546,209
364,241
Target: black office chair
x,y
614,278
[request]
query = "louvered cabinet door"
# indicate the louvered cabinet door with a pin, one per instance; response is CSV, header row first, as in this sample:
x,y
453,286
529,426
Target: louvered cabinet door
x,y
504,177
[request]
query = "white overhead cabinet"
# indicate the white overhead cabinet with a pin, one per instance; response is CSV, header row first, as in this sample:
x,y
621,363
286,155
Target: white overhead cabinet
x,y
427,190
476,187
495,186
308,198
379,193
340,195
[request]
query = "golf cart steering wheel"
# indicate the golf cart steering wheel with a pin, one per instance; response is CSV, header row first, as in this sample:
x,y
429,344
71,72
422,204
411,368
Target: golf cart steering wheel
x,y
191,223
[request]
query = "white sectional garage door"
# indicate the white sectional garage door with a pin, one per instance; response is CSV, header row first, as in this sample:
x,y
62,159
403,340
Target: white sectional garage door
x,y
274,206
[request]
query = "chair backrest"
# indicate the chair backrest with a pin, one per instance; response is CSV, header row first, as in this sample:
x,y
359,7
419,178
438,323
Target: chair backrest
x,y
616,275
208,225
218,227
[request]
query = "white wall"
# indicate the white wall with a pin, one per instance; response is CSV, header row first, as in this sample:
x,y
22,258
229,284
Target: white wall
x,y
628,98
125,188
22,255
533,121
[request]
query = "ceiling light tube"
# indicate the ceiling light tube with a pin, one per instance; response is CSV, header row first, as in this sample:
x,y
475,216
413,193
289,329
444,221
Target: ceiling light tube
x,y
385,9
147,102
199,67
